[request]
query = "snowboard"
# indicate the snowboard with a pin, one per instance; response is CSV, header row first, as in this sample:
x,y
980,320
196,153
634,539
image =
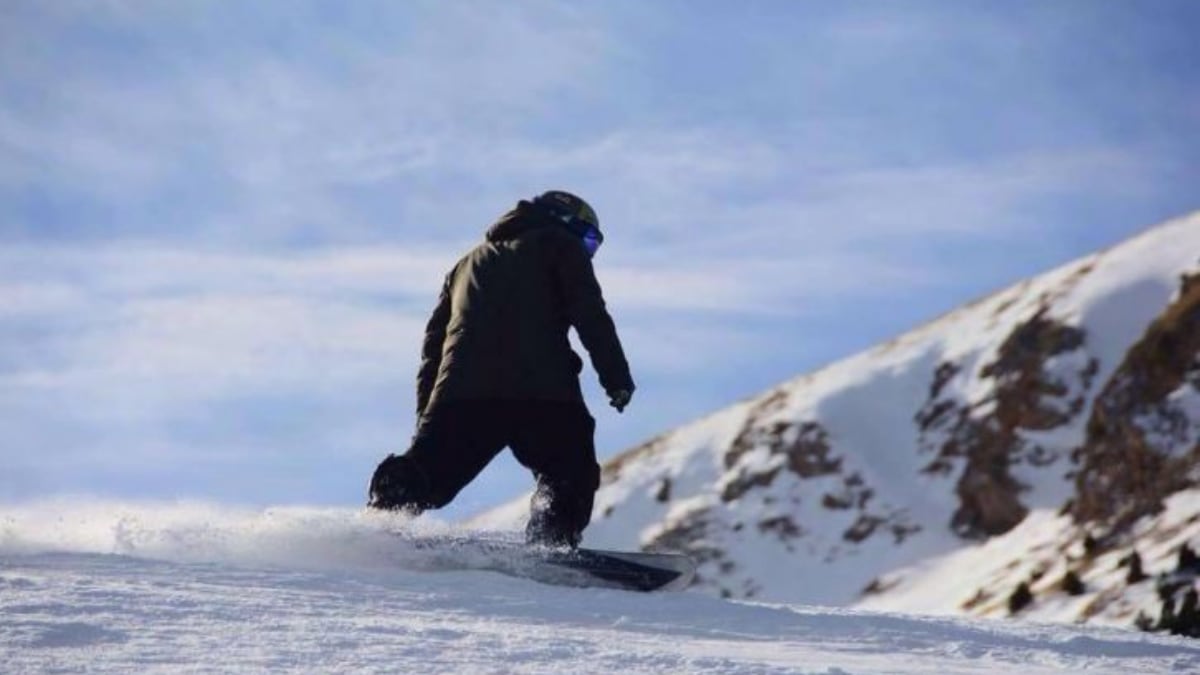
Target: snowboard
x,y
629,570
580,568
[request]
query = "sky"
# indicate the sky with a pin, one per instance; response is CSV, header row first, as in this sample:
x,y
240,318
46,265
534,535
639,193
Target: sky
x,y
223,224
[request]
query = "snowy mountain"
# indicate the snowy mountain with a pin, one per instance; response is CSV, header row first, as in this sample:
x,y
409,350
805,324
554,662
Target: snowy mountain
x,y
1010,457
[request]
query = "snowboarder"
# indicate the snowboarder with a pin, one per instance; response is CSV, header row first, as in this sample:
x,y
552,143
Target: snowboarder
x,y
497,370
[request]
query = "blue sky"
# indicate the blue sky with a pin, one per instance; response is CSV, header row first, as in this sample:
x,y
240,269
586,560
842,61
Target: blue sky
x,y
222,224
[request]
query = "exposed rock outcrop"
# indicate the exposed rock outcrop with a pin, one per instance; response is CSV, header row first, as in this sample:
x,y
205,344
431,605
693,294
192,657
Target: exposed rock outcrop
x,y
803,450
1142,444
1026,395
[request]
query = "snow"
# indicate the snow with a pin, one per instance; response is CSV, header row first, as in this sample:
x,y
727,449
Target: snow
x,y
89,586
1175,430
1044,546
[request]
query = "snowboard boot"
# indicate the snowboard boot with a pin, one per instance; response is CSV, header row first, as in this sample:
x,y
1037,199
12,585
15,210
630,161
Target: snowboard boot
x,y
555,520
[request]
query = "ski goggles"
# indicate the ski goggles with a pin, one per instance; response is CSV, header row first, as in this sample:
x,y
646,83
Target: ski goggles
x,y
592,240
587,232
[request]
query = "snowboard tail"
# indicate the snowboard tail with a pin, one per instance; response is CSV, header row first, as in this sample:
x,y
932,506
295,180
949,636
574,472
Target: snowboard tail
x,y
629,570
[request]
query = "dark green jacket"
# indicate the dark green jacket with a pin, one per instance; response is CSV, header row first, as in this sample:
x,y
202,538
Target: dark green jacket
x,y
500,327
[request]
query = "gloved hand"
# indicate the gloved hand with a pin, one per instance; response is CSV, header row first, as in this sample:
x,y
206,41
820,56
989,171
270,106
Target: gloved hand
x,y
620,398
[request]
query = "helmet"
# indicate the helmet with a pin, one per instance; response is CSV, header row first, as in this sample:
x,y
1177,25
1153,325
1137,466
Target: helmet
x,y
567,206
575,214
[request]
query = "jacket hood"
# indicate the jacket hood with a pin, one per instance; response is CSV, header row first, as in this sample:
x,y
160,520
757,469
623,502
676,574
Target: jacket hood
x,y
524,218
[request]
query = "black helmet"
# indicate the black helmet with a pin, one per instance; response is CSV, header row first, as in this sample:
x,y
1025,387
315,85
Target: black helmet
x,y
575,214
567,206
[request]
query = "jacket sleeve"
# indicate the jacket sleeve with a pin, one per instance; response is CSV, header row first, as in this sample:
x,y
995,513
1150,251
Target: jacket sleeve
x,y
431,348
589,315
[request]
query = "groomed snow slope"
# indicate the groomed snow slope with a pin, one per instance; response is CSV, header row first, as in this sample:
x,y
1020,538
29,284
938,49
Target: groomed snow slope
x,y
100,587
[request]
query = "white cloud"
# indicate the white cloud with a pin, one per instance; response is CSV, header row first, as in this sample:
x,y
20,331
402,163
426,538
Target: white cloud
x,y
39,298
432,129
183,316
132,269
274,137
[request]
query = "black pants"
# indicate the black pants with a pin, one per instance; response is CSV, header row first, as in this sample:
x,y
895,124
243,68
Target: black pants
x,y
457,439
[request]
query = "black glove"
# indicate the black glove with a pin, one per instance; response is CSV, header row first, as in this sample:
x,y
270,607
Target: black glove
x,y
620,398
